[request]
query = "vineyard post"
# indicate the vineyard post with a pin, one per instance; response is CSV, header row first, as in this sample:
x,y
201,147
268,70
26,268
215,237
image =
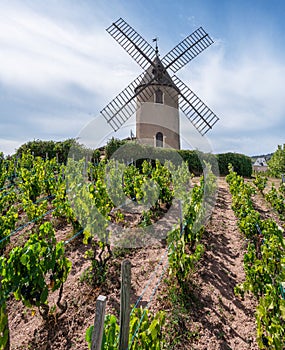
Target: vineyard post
x,y
283,178
15,167
125,305
98,323
180,215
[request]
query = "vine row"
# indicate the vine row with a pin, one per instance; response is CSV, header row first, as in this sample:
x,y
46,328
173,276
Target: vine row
x,y
264,264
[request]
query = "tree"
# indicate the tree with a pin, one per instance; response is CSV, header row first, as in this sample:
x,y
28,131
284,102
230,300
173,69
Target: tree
x,y
112,146
277,162
59,149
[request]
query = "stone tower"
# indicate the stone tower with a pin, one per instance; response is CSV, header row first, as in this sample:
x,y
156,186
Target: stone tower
x,y
157,116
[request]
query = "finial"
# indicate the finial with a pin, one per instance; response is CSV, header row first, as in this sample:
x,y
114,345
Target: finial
x,y
156,47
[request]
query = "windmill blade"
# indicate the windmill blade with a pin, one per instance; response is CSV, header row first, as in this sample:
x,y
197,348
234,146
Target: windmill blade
x,y
123,106
135,45
188,49
195,110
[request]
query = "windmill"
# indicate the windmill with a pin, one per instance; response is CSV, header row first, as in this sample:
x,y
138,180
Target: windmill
x,y
159,88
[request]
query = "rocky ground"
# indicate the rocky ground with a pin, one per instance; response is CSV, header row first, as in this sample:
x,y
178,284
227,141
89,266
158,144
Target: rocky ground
x,y
214,318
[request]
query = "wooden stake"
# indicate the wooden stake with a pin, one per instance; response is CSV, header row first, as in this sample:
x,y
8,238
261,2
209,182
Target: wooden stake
x,y
98,323
125,305
180,215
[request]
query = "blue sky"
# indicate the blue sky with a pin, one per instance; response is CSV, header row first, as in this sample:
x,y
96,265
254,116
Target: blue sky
x,y
59,67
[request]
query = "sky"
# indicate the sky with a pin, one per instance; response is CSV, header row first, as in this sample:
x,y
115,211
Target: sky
x,y
59,67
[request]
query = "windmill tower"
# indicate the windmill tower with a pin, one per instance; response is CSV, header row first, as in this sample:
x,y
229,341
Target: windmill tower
x,y
157,115
155,95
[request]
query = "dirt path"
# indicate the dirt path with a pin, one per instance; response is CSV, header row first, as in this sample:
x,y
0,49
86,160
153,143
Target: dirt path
x,y
225,322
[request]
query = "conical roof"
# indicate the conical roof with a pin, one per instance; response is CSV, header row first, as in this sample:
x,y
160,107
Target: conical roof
x,y
156,74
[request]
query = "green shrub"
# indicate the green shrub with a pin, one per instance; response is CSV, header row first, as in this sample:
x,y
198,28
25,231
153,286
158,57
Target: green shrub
x,y
241,163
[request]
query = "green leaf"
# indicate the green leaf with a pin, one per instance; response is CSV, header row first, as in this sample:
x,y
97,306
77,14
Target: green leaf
x,y
24,259
282,308
44,295
88,336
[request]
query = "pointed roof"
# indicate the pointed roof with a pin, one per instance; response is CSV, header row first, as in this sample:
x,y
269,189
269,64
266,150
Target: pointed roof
x,y
156,74
260,162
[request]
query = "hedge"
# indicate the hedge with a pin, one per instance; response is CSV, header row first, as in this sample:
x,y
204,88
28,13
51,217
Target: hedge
x,y
240,162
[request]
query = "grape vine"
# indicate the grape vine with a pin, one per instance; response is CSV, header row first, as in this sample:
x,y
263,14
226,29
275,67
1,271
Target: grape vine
x,y
263,264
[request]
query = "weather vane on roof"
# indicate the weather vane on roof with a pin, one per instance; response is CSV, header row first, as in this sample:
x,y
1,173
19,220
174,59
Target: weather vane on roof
x,y
156,47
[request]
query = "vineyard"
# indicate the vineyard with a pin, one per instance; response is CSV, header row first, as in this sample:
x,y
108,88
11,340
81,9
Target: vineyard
x,y
65,230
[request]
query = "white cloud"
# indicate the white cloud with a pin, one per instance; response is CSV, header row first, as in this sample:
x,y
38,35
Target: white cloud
x,y
54,74
63,70
247,95
9,146
42,55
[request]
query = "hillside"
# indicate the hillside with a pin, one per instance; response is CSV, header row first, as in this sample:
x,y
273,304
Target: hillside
x,y
190,274
213,315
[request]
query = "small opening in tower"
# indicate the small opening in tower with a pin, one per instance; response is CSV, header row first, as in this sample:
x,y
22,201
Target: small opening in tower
x,y
158,96
159,139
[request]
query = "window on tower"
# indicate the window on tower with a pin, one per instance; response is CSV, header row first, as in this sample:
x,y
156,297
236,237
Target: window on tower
x,y
159,139
158,96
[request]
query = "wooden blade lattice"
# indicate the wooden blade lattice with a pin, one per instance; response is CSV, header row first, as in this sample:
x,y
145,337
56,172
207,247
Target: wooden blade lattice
x,y
195,110
189,48
135,45
123,106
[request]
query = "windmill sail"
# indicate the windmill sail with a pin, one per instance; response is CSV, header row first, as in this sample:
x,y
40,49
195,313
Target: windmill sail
x,y
123,106
146,86
188,49
135,45
195,110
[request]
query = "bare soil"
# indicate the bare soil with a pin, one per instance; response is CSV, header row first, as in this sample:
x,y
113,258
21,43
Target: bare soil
x,y
216,318
223,320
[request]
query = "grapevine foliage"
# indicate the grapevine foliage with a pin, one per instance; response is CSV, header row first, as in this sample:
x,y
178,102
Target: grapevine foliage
x,y
30,271
264,264
88,198
146,327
